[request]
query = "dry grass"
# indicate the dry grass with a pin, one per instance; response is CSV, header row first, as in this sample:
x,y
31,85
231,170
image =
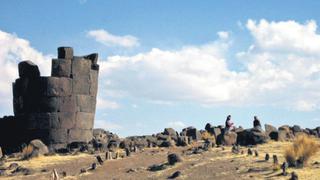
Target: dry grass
x,y
301,150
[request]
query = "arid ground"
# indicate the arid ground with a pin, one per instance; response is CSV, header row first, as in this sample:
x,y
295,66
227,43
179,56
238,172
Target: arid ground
x,y
217,163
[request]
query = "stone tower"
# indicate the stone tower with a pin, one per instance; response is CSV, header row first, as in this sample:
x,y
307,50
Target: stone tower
x,y
59,109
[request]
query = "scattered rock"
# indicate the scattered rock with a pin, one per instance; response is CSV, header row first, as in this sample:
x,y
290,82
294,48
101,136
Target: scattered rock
x,y
174,158
64,174
131,170
13,166
22,170
82,170
256,153
250,153
157,167
175,175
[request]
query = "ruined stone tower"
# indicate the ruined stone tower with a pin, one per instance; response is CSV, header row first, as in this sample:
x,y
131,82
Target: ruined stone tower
x,y
59,109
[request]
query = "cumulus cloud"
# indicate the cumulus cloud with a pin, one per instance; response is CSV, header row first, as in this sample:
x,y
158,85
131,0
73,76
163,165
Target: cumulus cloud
x,y
106,104
13,50
107,125
177,125
108,39
281,68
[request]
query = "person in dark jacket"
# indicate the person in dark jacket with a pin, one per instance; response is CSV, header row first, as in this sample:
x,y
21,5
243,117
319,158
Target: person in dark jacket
x,y
256,122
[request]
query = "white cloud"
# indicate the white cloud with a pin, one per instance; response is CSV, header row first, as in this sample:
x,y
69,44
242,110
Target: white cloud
x,y
223,35
107,125
281,68
286,36
177,125
108,39
13,50
106,104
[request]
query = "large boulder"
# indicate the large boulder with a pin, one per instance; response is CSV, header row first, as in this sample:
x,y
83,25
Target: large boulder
x,y
285,133
182,141
192,132
35,148
27,69
228,138
252,137
269,128
296,129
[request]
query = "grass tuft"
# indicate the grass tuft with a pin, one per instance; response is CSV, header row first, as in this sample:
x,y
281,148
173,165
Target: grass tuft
x,y
301,150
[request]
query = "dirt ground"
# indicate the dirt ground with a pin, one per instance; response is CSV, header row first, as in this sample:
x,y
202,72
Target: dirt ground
x,y
217,163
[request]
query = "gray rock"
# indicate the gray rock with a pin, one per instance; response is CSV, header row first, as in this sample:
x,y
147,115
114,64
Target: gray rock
x,y
174,158
35,148
27,69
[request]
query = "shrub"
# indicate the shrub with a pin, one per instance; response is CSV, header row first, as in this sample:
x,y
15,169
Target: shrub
x,y
301,150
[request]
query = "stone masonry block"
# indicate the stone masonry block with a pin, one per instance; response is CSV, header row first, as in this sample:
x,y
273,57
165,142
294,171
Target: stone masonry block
x,y
48,104
65,86
81,84
86,103
58,135
67,104
81,66
79,135
54,86
41,120
65,53
94,82
84,120
61,67
17,105
67,119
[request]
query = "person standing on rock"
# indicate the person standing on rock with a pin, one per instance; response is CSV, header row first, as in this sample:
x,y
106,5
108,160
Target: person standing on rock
x,y
256,123
229,124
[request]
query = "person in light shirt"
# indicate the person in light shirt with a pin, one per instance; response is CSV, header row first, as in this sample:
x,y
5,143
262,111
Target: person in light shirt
x,y
229,124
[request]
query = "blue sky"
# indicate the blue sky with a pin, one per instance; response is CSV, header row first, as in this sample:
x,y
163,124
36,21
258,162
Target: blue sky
x,y
177,63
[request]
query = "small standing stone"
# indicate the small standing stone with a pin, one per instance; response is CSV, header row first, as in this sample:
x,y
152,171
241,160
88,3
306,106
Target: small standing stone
x,y
267,157
108,155
55,175
82,170
284,167
250,152
93,166
256,153
294,176
127,152
99,159
275,159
